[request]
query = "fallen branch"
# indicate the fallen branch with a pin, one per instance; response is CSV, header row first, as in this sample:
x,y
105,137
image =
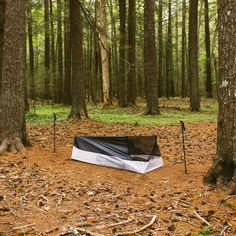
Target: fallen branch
x,y
231,196
120,223
75,231
200,218
23,227
140,229
222,233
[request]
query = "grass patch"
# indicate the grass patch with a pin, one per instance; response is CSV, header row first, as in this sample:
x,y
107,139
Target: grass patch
x,y
207,230
43,114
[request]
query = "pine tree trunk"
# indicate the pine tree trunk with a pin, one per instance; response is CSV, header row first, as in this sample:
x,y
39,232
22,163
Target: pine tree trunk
x,y
131,83
31,50
59,53
169,57
2,16
183,51
177,90
122,71
208,52
160,47
12,107
47,52
224,165
150,60
53,57
193,56
67,55
78,108
102,20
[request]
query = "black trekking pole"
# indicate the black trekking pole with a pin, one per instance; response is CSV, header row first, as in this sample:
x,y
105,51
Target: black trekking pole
x,y
183,140
54,130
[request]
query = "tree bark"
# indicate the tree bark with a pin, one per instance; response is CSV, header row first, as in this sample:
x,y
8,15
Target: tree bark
x,y
122,71
160,49
150,60
183,52
102,25
59,53
208,52
224,165
131,83
12,105
2,17
67,55
169,57
47,52
78,108
193,56
177,84
53,56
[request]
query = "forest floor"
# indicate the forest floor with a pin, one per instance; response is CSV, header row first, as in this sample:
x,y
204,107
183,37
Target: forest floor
x,y
46,193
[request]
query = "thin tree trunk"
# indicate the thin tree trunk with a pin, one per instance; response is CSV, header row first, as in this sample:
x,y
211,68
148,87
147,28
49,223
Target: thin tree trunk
x,y
31,50
169,57
47,52
160,46
2,17
150,60
183,51
102,20
224,165
122,71
12,105
193,56
67,55
208,52
53,57
131,88
59,53
177,90
78,108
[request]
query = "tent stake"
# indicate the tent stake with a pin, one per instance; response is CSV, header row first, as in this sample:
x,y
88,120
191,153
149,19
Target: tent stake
x,y
54,130
183,140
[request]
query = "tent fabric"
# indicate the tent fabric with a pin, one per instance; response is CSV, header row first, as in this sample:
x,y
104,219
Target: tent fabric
x,y
135,153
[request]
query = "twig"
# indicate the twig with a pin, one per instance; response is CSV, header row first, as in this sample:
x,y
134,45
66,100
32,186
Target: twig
x,y
231,196
222,233
76,230
120,223
200,218
22,227
140,229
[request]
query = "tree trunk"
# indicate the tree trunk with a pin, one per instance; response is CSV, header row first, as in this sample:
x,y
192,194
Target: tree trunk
x,y
177,90
193,56
183,51
31,50
12,107
122,71
208,52
78,109
150,60
160,47
102,25
169,57
131,83
67,55
53,57
59,53
47,52
224,165
2,16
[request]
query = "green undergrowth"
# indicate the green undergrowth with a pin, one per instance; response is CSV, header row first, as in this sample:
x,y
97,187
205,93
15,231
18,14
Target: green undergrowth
x,y
170,115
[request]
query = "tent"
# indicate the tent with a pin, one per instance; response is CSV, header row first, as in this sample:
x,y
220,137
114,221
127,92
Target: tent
x,y
134,153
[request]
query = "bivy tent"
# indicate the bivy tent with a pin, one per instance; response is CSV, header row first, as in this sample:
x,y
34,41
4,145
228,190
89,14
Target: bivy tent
x,y
134,153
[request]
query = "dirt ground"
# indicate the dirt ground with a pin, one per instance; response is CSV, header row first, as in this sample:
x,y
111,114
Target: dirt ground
x,y
46,193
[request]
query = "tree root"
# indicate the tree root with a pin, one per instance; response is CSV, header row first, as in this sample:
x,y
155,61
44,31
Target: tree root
x,y
11,145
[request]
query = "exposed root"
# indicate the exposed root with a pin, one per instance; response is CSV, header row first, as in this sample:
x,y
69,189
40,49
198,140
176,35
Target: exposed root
x,y
12,145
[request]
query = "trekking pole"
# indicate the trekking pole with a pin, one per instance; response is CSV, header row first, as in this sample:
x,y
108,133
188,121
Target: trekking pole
x,y
183,140
54,130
